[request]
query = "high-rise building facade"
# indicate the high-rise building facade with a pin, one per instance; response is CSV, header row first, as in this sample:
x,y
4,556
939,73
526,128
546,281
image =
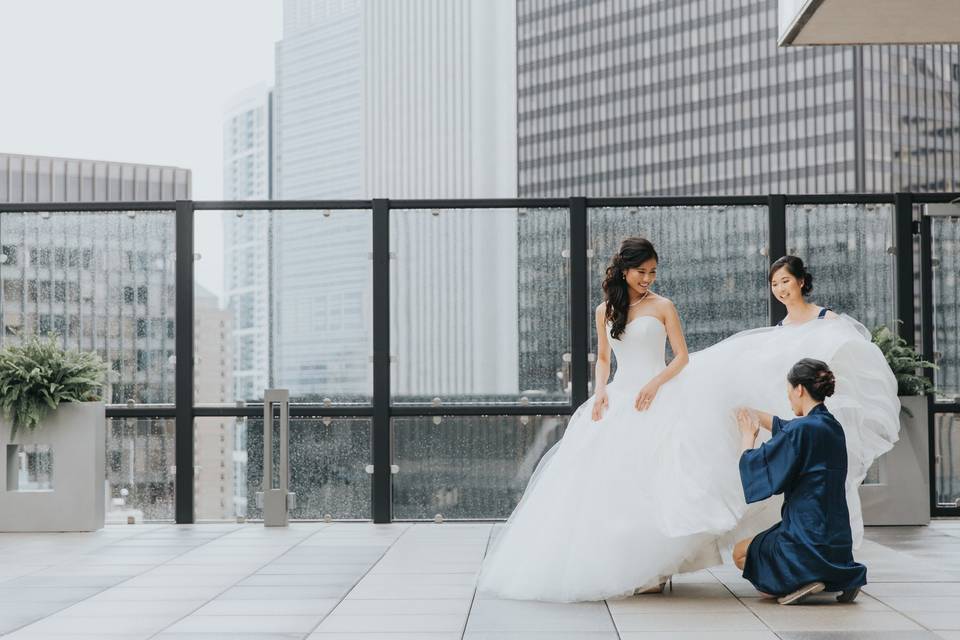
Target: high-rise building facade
x,y
101,282
214,439
693,97
248,175
248,245
620,98
376,99
321,345
440,122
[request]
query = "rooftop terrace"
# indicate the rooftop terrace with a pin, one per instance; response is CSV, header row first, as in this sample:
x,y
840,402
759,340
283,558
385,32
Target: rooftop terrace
x,y
403,581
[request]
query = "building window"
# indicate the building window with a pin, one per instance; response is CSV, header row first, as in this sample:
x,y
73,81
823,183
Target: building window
x,y
12,290
10,251
40,257
116,461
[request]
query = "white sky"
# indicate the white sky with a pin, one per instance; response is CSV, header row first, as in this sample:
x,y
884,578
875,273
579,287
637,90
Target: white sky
x,y
134,81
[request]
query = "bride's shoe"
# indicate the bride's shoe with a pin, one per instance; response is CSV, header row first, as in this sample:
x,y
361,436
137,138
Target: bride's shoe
x,y
657,589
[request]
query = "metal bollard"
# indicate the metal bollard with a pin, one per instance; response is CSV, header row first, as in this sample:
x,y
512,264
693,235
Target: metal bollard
x,y
276,502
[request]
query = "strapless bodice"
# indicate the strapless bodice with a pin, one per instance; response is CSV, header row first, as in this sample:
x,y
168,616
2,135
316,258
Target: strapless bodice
x,y
640,350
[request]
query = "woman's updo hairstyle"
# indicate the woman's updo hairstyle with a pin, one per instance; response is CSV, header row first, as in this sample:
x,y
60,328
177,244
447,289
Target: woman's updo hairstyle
x,y
815,376
634,251
794,266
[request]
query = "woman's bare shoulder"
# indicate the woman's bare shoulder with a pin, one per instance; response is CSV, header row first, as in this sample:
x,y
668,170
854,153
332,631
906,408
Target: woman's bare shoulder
x,y
664,305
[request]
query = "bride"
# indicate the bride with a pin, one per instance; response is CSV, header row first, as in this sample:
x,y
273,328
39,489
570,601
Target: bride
x,y
644,483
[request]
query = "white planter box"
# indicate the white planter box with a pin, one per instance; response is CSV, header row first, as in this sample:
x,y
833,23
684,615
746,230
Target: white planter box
x,y
75,434
902,496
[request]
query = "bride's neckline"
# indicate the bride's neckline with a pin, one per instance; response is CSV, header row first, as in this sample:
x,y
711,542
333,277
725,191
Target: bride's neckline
x,y
646,315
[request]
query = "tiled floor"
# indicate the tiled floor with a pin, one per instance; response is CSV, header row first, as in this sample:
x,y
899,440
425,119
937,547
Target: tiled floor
x,y
348,581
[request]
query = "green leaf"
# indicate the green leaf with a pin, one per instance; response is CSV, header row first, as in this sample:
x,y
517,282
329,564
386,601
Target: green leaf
x,y
904,362
37,375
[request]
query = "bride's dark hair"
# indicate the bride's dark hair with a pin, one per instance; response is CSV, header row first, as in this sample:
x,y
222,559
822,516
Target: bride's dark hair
x,y
634,251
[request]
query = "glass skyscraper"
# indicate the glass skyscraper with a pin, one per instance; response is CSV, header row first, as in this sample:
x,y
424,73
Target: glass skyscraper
x,y
247,175
365,109
620,98
693,97
394,100
103,282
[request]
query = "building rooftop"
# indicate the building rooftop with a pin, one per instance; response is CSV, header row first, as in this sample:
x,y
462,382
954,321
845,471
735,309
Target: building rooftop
x,y
403,581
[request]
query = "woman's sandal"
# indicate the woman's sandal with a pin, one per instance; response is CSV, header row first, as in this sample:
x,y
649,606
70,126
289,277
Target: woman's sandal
x,y
849,595
802,592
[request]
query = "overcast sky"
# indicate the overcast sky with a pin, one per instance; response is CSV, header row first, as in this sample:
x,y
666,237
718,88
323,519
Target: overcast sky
x,y
134,81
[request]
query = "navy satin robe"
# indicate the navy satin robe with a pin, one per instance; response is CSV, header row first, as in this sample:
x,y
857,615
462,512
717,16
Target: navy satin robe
x,y
806,460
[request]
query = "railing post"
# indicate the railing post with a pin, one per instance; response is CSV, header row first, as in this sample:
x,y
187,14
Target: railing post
x,y
926,338
276,502
183,387
579,303
776,246
903,242
381,441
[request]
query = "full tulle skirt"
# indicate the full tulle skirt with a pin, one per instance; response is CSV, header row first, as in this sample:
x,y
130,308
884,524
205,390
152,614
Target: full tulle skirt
x,y
622,502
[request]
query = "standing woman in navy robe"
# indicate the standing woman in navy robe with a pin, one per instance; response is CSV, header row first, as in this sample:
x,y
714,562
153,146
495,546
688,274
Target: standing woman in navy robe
x,y
811,549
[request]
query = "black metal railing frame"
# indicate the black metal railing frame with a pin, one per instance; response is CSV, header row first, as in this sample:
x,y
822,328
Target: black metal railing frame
x,y
380,411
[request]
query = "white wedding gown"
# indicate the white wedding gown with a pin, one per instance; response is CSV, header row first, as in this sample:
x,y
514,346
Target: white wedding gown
x,y
621,502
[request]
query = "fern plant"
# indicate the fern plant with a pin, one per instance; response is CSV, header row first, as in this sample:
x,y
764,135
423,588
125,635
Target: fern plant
x,y
37,376
904,361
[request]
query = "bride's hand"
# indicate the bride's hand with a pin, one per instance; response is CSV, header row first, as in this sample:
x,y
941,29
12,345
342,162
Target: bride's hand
x,y
646,396
600,403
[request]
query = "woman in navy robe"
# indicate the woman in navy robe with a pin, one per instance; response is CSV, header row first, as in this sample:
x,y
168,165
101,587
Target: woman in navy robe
x,y
811,549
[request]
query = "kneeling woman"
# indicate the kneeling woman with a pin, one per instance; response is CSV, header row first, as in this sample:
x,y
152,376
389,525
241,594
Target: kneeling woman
x,y
811,549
